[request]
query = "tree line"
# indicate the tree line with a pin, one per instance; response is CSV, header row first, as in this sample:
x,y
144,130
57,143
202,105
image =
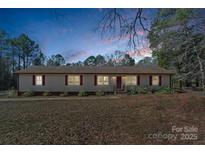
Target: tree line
x,y
22,52
15,54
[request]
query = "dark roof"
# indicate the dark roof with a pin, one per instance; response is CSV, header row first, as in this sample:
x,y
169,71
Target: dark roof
x,y
94,69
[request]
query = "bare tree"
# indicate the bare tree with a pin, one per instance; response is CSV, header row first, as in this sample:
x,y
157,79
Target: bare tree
x,y
116,23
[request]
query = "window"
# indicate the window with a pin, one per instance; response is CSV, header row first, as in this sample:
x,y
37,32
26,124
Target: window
x,y
39,80
102,80
73,80
131,80
155,80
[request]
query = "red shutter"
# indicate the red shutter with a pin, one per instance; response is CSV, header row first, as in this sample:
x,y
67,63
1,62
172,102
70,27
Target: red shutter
x,y
34,80
81,80
138,80
44,80
150,80
66,79
95,80
160,80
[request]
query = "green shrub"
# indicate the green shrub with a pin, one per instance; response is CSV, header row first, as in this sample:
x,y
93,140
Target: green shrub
x,y
100,93
64,94
144,90
165,90
28,93
12,93
82,93
131,90
46,93
152,89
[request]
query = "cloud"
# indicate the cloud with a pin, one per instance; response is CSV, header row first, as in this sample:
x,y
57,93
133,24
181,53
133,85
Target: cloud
x,y
76,55
142,52
141,32
138,54
114,39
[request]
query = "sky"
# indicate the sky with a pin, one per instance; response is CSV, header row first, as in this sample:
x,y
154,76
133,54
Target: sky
x,y
70,32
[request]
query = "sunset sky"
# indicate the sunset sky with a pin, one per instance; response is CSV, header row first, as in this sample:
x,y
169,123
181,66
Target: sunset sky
x,y
70,32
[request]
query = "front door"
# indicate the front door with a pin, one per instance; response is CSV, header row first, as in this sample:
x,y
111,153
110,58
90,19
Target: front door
x,y
119,82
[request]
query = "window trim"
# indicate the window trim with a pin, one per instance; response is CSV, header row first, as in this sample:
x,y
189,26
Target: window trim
x,y
103,80
36,81
68,82
131,84
158,82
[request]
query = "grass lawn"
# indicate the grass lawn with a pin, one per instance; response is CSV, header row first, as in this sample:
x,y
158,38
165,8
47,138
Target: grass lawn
x,y
121,120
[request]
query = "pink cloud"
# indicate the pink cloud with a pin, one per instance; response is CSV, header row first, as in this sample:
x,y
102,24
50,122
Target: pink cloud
x,y
118,38
143,52
142,33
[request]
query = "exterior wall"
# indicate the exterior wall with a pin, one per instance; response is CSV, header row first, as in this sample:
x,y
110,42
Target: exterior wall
x,y
56,83
144,80
165,80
